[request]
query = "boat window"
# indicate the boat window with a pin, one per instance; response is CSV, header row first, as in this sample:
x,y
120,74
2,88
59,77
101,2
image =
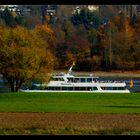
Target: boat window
x,y
64,88
51,79
121,88
89,79
103,88
70,88
61,79
83,79
112,88
89,88
77,88
83,88
115,88
76,80
35,87
47,88
52,88
94,88
57,79
95,80
70,79
108,88
57,88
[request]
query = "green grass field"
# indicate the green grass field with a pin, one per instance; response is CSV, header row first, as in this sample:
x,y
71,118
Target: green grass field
x,y
70,102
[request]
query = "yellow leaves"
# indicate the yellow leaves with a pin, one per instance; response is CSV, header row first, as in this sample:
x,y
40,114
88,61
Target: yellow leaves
x,y
45,28
46,33
47,17
22,53
117,19
71,57
128,30
22,36
14,14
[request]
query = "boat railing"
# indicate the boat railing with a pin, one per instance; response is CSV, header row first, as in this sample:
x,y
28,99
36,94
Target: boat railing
x,y
109,81
96,81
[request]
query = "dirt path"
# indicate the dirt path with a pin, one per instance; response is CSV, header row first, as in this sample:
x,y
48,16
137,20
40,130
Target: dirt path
x,y
69,120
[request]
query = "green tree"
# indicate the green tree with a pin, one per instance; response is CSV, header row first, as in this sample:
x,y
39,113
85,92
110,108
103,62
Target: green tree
x,y
86,17
93,39
9,19
23,56
20,20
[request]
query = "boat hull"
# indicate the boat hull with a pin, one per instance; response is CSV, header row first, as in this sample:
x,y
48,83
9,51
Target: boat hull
x,y
97,91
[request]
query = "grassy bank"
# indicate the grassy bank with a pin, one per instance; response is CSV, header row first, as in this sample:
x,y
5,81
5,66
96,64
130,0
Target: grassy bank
x,y
70,102
68,131
69,113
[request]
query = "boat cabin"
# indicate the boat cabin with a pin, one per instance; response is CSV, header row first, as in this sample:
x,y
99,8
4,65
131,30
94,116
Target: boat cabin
x,y
72,79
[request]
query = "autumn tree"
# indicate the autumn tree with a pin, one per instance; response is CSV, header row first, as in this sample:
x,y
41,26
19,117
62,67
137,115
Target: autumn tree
x,y
124,42
64,31
93,37
32,21
47,34
75,47
23,56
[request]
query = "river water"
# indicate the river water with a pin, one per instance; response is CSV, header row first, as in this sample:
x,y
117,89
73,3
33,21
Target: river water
x,y
136,82
135,88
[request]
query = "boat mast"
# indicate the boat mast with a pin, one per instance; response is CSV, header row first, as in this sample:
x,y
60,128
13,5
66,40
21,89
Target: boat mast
x,y
70,70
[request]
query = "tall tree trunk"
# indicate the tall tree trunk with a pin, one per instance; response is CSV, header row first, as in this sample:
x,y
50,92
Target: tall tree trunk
x,y
18,85
12,87
11,83
17,88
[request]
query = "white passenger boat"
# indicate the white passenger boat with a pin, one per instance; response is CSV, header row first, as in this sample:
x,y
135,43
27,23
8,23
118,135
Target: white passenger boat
x,y
67,82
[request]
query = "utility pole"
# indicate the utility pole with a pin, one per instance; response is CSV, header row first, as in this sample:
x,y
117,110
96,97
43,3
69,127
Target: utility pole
x,y
110,46
125,18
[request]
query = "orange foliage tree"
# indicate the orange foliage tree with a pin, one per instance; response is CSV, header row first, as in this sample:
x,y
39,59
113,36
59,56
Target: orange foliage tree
x,y
47,34
22,56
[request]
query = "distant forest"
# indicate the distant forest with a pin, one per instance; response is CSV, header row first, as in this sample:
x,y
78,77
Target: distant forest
x,y
88,38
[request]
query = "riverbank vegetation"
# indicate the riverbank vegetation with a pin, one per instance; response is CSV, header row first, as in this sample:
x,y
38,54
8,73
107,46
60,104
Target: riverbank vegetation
x,y
110,46
94,41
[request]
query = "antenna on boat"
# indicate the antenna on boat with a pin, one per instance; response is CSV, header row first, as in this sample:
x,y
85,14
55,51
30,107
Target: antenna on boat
x,y
70,70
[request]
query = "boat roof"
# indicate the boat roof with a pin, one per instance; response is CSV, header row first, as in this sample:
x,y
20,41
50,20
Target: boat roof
x,y
73,76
